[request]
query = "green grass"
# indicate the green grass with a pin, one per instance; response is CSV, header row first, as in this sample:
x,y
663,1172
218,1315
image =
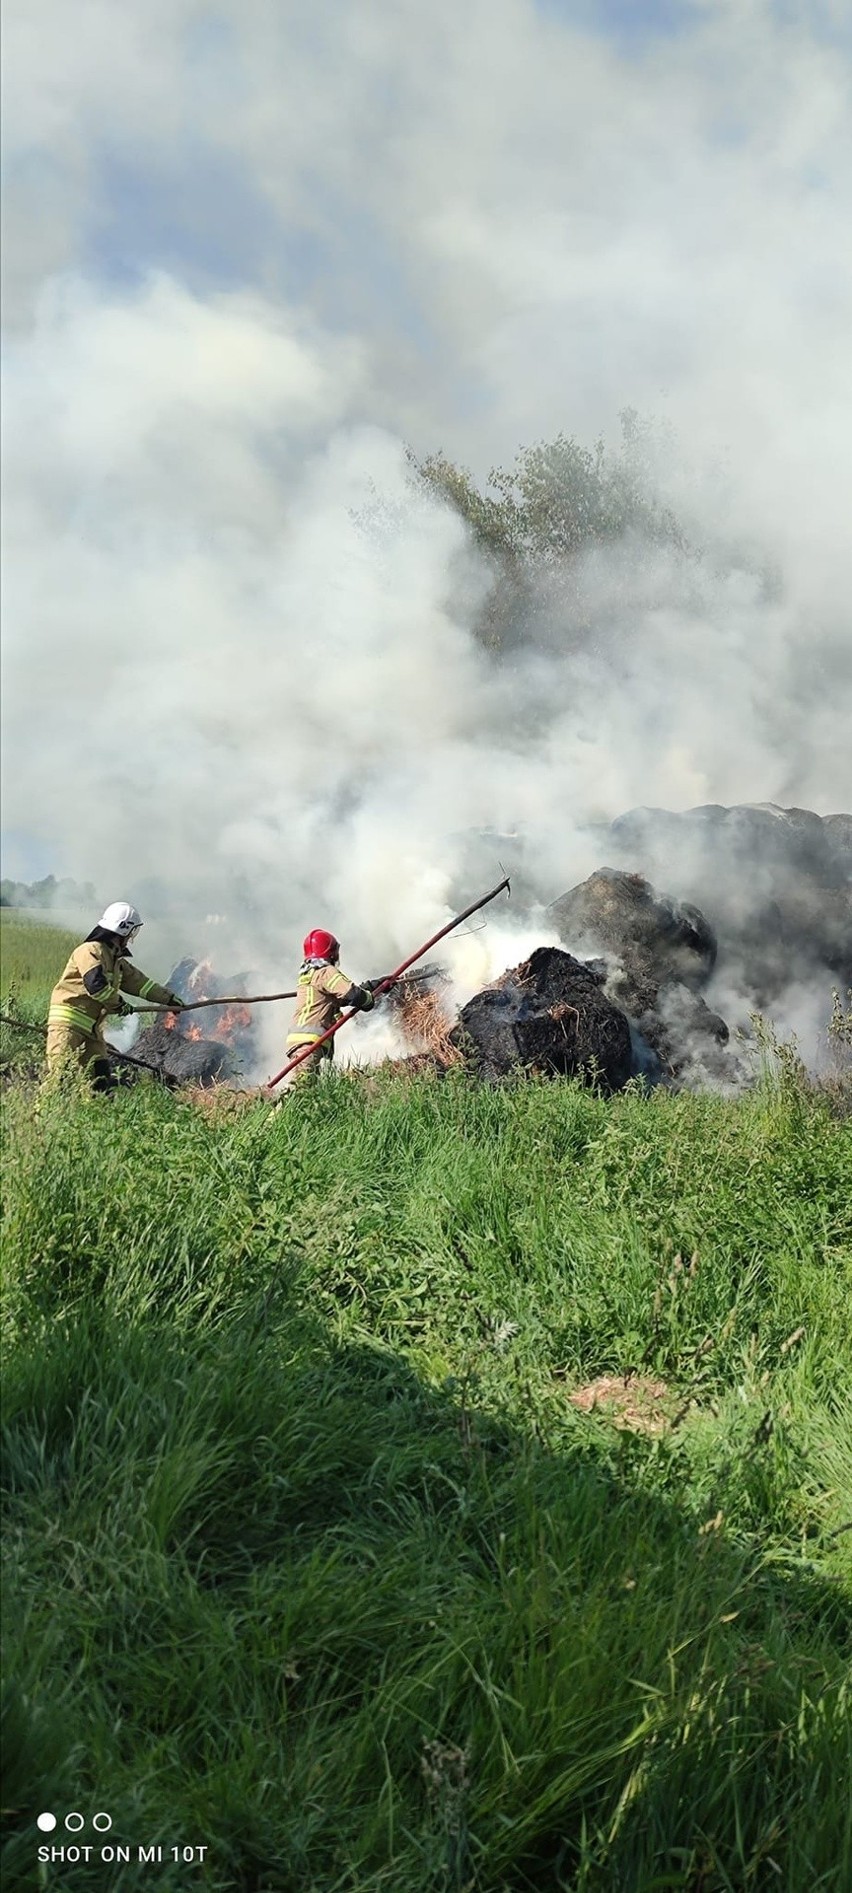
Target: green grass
x,y
32,956
310,1558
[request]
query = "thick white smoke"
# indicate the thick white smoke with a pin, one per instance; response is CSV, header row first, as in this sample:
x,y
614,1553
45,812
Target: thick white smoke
x,y
241,672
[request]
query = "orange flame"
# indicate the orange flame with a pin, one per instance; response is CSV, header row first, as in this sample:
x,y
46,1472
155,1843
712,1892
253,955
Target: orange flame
x,y
234,1019
226,1024
231,1021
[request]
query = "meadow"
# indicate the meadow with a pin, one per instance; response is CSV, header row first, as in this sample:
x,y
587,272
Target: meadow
x,y
428,1487
32,954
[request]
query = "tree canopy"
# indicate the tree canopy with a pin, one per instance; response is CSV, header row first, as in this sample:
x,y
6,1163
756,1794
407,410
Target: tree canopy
x,y
556,502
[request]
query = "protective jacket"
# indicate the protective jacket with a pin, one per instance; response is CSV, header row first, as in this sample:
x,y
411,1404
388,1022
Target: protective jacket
x,y
323,991
91,987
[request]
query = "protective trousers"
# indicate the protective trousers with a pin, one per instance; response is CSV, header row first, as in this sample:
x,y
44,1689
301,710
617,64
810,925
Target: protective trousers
x,y
312,1065
65,1045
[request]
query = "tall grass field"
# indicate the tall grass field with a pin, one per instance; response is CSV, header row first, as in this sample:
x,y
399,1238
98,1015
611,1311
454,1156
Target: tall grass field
x,y
32,955
428,1487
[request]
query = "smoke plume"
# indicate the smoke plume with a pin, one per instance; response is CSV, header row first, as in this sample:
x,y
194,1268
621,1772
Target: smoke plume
x,y
249,261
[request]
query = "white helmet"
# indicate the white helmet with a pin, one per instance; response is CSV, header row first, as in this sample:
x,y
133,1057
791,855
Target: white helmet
x,y
122,919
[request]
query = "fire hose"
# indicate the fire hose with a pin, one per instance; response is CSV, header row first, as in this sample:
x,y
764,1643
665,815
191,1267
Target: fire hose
x,y
384,985
260,999
195,1005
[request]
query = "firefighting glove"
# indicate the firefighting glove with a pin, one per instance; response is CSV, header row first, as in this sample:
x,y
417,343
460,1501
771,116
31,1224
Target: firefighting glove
x,y
175,1004
123,1010
361,999
382,985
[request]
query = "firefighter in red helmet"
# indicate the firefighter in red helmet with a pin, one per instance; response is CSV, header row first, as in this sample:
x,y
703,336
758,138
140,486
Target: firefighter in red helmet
x,y
322,993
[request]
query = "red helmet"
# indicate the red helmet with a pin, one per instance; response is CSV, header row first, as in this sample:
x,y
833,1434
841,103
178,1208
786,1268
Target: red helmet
x,y
320,945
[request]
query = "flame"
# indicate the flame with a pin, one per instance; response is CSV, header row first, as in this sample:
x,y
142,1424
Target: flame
x,y
234,1019
173,1023
224,1026
228,1024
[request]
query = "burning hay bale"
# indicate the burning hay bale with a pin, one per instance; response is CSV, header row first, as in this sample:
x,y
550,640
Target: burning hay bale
x,y
548,1015
181,1049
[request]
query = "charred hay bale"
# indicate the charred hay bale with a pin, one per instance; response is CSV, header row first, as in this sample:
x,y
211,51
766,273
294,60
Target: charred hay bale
x,y
660,952
127,1075
655,938
548,1015
200,1062
196,979
689,1042
743,837
195,1061
775,883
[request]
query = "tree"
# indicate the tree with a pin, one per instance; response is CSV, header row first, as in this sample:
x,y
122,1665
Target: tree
x,y
558,501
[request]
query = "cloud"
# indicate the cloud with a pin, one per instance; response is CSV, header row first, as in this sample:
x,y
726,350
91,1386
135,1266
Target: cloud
x,y
522,224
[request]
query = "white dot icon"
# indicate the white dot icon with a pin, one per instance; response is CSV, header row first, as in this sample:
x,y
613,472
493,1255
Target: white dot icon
x,y
46,1822
74,1822
102,1822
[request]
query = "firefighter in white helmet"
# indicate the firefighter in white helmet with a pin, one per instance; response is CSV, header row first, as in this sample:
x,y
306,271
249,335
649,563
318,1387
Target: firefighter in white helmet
x,y
91,990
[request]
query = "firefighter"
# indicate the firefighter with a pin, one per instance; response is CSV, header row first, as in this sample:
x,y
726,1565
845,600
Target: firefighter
x,y
90,991
323,991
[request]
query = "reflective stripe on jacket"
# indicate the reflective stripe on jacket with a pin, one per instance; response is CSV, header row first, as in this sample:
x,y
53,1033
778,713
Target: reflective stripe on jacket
x,y
320,990
96,976
71,1015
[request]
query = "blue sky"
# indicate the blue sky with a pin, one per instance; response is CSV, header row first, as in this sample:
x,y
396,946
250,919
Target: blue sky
x,y
629,23
632,23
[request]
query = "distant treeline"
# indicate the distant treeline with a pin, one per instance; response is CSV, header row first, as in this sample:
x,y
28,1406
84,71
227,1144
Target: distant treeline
x,y
48,893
